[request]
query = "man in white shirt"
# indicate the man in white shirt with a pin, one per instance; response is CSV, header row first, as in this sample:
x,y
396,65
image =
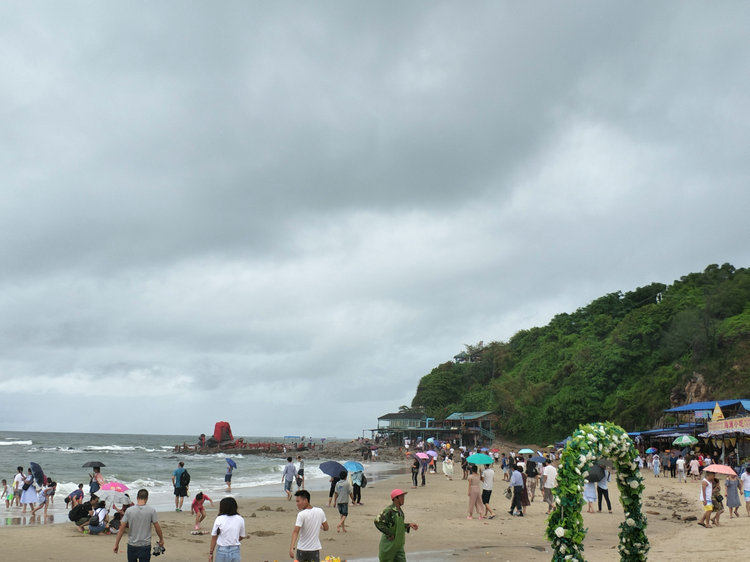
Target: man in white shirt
x,y
549,482
306,534
18,480
745,478
680,464
488,476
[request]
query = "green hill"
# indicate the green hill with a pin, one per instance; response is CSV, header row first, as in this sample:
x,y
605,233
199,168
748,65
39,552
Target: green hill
x,y
624,357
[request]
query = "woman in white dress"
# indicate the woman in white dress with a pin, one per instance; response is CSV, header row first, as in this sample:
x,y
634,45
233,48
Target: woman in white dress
x,y
29,495
448,466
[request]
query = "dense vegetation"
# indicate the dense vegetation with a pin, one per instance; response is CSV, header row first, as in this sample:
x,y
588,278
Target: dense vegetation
x,y
622,358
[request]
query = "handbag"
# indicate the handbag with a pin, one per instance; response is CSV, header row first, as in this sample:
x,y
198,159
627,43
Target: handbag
x,y
508,492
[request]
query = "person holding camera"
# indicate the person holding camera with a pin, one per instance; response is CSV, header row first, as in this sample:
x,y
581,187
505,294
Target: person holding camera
x,y
138,519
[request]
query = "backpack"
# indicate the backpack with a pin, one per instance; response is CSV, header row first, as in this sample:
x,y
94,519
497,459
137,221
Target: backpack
x,y
364,482
79,511
184,479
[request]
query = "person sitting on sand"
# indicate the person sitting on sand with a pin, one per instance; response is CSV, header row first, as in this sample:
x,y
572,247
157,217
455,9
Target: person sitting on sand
x,y
101,513
198,509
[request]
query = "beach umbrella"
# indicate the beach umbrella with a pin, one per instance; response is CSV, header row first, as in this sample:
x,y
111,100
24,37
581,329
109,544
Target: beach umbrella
x,y
720,469
651,450
432,453
479,458
606,463
354,466
495,450
685,440
115,487
525,452
537,458
596,473
231,463
332,468
112,497
92,464
423,456
38,473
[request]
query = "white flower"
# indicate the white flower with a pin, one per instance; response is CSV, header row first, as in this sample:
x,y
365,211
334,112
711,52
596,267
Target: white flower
x,y
563,549
634,484
560,532
630,522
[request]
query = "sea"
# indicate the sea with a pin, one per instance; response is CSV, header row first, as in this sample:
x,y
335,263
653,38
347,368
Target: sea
x,y
147,461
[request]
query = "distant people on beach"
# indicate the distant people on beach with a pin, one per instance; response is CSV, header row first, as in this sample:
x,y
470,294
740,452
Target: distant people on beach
x,y
356,478
138,519
287,477
305,545
448,466
475,493
733,495
549,483
414,472
180,483
227,533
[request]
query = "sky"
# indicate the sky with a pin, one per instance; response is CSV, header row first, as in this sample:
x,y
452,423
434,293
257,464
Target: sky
x,y
284,214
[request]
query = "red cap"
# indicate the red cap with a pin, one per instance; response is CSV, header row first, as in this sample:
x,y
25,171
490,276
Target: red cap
x,y
396,493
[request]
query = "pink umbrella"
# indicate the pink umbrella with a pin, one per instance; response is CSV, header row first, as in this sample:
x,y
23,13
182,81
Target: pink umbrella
x,y
720,469
424,456
114,487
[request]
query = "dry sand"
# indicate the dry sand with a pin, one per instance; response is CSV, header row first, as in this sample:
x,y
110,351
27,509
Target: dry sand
x,y
444,533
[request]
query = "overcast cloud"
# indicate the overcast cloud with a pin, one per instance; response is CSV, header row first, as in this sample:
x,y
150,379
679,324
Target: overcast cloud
x,y
284,214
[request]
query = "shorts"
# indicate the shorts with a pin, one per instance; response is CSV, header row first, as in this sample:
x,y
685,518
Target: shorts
x,y
548,497
288,485
486,494
343,508
227,478
747,495
308,555
180,491
301,472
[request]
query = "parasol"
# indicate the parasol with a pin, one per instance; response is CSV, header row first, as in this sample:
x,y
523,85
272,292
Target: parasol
x,y
685,440
231,463
432,453
332,468
479,458
596,473
423,456
651,450
92,464
525,452
720,469
354,466
38,473
115,487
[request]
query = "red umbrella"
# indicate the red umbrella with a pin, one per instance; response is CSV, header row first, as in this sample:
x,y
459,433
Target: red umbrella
x,y
720,469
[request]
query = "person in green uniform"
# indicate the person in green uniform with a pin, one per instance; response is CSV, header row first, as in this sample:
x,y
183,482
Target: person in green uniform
x,y
391,523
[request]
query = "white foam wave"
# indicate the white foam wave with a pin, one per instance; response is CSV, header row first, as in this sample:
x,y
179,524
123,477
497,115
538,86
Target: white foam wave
x,y
16,442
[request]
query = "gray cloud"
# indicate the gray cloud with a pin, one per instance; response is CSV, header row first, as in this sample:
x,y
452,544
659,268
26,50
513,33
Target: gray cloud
x,y
258,211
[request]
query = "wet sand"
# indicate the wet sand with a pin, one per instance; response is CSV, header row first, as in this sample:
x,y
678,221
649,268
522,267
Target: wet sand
x,y
444,534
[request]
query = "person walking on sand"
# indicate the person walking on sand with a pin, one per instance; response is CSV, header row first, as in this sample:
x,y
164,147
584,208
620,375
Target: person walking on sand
x,y
516,481
488,477
602,491
393,527
705,497
198,509
288,476
475,493
448,466
300,473
138,519
341,498
227,532
733,496
180,491
717,500
306,533
549,483
414,472
745,485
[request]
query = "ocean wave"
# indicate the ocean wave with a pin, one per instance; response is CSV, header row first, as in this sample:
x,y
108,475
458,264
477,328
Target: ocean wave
x,y
16,442
147,483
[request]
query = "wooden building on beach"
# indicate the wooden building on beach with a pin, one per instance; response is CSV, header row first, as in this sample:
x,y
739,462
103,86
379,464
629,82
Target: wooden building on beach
x,y
461,428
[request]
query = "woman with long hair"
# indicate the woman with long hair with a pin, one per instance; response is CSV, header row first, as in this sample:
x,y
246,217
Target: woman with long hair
x,y
227,532
475,493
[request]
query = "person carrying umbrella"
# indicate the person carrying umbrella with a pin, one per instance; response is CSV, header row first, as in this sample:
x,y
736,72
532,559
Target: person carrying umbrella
x,y
393,527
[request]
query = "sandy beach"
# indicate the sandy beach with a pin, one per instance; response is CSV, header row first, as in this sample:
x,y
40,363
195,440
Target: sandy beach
x,y
444,534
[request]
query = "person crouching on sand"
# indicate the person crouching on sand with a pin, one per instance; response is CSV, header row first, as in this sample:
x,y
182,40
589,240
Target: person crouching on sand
x,y
198,509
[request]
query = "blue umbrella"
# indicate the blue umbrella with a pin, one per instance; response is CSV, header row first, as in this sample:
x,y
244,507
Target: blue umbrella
x,y
231,463
354,466
485,449
525,452
332,468
537,458
479,458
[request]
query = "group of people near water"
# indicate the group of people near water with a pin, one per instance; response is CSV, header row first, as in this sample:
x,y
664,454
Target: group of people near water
x,y
28,492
